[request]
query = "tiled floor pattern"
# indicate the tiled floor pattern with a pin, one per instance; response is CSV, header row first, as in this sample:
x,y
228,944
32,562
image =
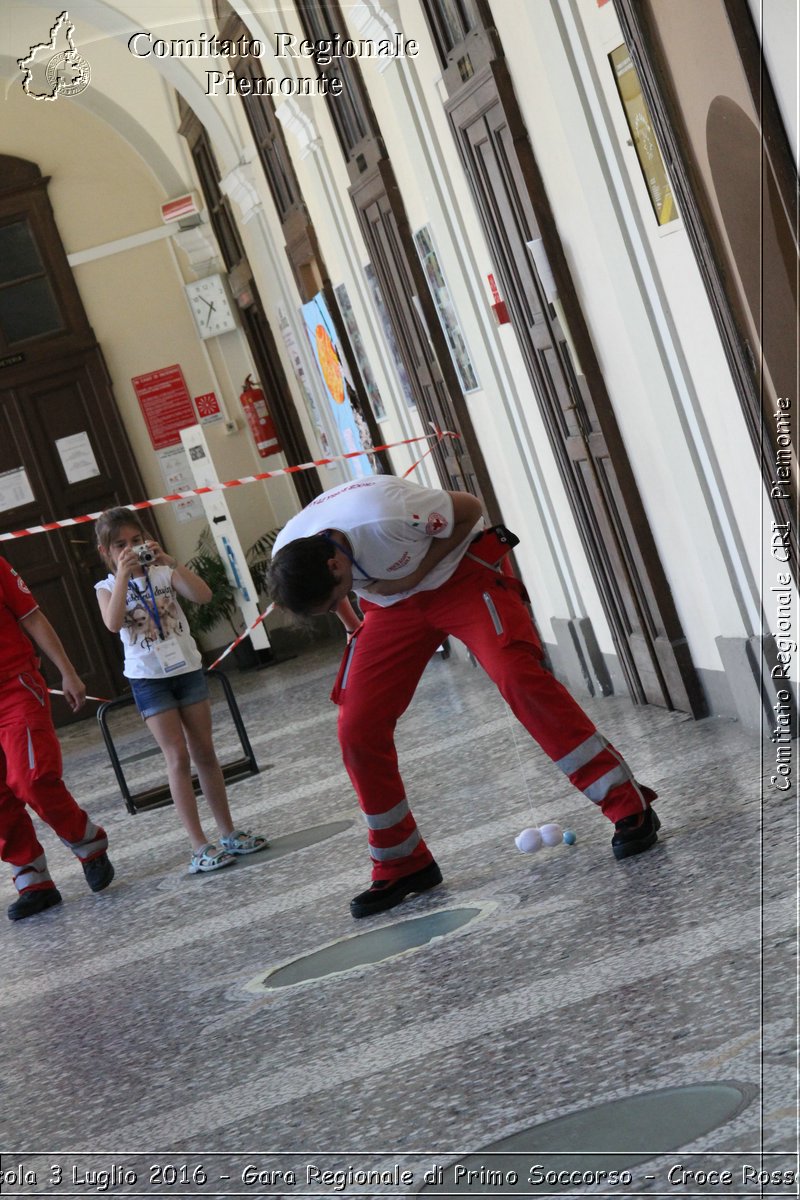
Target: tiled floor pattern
x,y
130,1026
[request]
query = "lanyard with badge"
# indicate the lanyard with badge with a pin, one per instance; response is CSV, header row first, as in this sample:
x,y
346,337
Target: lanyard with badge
x,y
167,649
346,551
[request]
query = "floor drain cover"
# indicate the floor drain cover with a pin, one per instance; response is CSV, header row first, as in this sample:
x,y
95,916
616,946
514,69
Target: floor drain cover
x,y
366,948
607,1137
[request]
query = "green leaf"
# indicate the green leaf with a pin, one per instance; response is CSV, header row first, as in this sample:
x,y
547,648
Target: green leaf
x,y
209,566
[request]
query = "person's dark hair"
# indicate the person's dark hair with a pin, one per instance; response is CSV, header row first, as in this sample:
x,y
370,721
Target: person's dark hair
x,y
110,522
299,577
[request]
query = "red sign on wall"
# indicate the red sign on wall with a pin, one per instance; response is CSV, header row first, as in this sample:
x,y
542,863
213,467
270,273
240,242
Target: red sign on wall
x,y
166,405
498,305
207,407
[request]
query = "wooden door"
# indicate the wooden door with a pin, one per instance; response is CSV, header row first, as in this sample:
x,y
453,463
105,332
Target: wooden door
x,y
735,180
70,400
576,409
257,330
54,386
430,373
401,279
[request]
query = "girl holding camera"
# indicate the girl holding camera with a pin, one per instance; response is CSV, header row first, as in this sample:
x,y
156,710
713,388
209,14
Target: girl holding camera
x,y
139,601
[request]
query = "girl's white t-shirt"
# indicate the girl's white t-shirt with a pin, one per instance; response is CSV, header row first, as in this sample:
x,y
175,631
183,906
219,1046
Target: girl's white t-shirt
x,y
140,632
389,523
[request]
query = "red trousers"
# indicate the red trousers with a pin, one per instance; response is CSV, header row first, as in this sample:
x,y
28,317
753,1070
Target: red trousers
x,y
30,774
379,675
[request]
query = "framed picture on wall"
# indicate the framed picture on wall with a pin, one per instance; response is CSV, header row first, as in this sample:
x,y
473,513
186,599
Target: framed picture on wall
x,y
360,353
450,323
388,333
643,135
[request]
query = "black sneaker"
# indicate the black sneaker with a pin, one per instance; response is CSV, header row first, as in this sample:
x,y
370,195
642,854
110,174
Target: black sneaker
x,y
99,872
385,893
635,834
31,903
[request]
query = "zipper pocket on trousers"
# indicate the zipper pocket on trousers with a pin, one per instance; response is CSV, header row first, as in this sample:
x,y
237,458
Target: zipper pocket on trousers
x,y
348,660
493,613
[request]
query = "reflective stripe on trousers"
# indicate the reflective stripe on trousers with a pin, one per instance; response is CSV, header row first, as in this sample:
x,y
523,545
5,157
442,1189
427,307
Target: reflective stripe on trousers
x,y
34,875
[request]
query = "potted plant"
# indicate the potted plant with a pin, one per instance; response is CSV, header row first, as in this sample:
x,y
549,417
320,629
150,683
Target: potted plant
x,y
223,605
258,559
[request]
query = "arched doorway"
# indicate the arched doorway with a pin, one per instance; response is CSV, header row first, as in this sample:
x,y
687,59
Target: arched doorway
x,y
63,448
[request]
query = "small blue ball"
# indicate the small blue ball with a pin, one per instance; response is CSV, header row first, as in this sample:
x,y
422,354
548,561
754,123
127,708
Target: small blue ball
x,y
570,838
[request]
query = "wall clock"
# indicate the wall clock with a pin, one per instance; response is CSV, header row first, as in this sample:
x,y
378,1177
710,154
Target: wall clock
x,y
210,306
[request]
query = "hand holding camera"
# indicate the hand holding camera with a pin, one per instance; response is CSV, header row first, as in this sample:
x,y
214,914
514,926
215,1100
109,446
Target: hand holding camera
x,y
137,558
140,558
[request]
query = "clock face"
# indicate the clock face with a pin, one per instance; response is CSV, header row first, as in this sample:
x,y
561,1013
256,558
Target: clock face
x,y
210,306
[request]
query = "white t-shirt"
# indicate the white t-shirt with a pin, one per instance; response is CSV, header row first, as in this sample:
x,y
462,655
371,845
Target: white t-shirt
x,y
140,633
389,524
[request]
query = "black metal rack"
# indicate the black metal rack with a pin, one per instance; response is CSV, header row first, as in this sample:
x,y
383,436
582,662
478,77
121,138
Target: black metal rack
x,y
157,797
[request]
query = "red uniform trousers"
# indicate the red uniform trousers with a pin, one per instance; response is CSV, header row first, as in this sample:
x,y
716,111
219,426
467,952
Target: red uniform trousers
x,y
379,675
30,773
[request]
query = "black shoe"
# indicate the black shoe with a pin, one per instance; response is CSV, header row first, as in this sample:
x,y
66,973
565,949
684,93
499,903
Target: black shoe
x,y
385,893
31,903
99,872
635,834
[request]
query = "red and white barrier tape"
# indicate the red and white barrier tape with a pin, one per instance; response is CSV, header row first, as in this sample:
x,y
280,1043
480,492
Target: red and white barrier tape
x,y
439,435
261,617
430,450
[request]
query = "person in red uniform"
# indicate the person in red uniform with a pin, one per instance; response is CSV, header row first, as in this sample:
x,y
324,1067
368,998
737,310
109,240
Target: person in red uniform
x,y
424,567
30,756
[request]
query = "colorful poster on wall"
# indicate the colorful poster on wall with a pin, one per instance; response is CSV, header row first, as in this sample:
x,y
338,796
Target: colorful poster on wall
x,y
337,378
327,450
359,352
166,405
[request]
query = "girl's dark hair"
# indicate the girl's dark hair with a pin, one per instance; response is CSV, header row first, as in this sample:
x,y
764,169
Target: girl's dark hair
x,y
110,522
299,577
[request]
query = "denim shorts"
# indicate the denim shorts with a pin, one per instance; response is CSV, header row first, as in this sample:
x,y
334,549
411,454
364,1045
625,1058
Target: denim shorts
x,y
154,696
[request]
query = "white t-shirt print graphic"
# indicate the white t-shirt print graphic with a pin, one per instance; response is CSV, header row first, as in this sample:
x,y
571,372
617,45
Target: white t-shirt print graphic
x,y
139,634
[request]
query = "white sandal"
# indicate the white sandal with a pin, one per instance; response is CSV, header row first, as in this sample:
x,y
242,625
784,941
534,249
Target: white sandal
x,y
242,841
210,858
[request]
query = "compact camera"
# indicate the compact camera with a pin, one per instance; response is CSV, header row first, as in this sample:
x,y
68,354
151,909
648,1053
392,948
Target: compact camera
x,y
145,555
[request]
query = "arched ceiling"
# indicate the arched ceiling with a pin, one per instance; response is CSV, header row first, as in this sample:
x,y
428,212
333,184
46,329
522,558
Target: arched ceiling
x,y
132,95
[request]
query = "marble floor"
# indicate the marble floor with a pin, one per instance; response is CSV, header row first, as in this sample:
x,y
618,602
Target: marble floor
x,y
144,1054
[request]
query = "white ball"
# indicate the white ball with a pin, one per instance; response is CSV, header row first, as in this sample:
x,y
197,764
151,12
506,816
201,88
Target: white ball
x,y
529,841
551,834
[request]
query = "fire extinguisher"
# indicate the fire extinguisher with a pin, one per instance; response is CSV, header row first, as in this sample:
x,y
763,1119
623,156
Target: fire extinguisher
x,y
261,424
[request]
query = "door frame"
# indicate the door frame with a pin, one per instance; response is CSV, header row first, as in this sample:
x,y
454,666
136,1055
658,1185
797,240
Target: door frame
x,y
255,326
421,341
647,585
